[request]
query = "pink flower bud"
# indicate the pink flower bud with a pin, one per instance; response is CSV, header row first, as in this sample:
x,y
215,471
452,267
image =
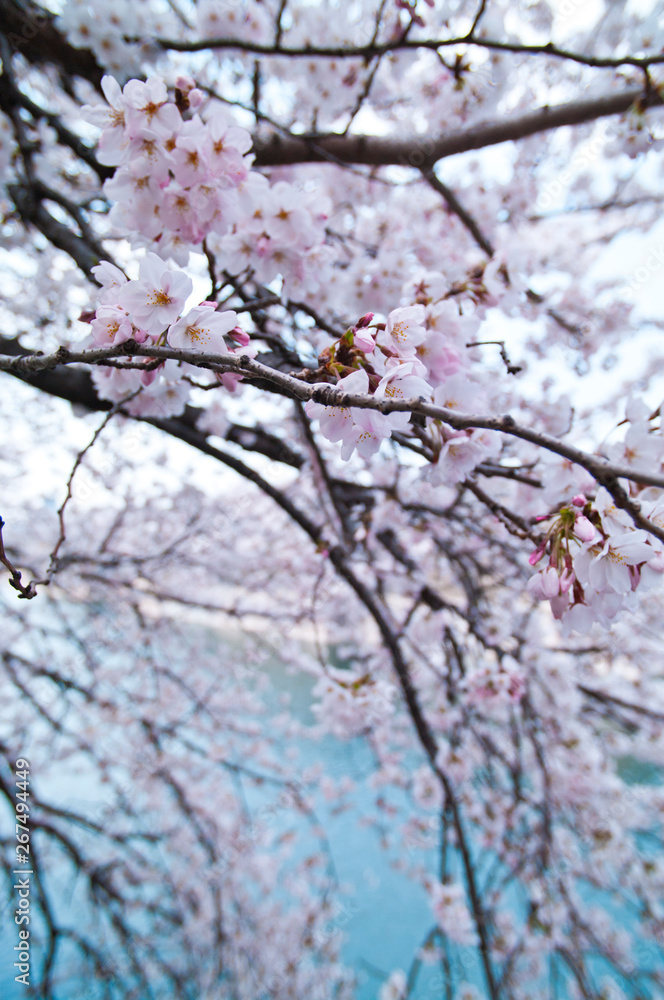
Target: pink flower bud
x,y
240,336
263,246
544,585
583,529
364,321
535,556
559,606
579,500
364,341
550,582
148,377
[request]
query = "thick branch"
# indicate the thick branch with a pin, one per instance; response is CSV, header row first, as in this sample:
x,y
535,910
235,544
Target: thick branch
x,y
605,473
31,31
85,253
421,153
76,387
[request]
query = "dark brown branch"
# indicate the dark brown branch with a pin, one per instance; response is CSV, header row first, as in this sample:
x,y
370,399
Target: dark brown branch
x,y
515,524
511,369
605,473
86,254
374,49
462,213
11,97
15,576
605,697
30,30
422,154
76,387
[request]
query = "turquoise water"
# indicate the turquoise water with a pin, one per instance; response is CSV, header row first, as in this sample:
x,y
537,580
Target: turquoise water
x,y
384,915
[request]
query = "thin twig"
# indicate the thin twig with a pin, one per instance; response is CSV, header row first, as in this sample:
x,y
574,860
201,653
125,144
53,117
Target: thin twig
x,y
30,591
512,369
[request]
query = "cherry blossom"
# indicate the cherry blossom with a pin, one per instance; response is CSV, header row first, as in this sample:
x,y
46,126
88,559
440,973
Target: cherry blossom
x,y
148,110
405,329
110,278
202,328
395,987
607,567
448,902
157,296
350,703
111,119
111,325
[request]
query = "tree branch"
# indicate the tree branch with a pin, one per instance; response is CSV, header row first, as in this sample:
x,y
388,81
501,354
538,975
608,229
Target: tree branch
x,y
31,31
422,154
462,213
374,49
605,473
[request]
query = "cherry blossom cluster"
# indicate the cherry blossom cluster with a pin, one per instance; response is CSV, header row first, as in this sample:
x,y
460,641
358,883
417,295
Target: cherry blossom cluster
x,y
350,703
597,559
219,18
105,29
499,682
181,179
448,902
150,310
417,353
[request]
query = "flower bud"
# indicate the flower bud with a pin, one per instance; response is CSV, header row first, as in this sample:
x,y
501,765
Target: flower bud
x,y
583,529
535,556
240,336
